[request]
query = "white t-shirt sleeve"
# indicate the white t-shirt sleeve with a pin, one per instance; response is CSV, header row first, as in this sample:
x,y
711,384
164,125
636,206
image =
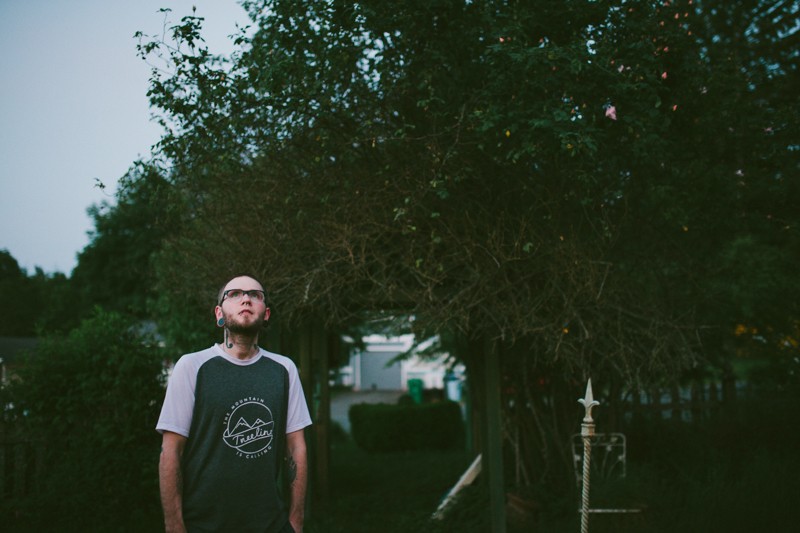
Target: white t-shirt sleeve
x,y
297,416
176,413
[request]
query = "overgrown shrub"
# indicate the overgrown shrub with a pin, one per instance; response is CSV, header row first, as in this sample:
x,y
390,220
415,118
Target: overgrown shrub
x,y
90,401
386,427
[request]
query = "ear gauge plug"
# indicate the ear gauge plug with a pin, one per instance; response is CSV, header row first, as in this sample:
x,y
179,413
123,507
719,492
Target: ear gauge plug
x,y
221,322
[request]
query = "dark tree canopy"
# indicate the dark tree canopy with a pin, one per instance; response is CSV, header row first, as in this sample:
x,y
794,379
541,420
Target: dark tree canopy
x,y
33,303
604,181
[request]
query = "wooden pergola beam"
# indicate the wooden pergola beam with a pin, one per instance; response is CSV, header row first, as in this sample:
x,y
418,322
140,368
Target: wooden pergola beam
x,y
494,437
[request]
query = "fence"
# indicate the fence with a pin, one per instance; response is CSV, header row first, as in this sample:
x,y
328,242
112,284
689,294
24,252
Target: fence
x,y
688,403
19,465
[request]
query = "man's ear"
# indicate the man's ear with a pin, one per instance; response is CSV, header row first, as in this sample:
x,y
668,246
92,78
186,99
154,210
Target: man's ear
x,y
218,312
266,314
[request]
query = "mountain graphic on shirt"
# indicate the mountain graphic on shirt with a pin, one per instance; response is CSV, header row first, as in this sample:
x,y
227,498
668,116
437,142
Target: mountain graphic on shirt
x,y
243,426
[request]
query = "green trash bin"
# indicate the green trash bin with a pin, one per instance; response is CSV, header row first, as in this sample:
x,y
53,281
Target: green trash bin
x,y
415,390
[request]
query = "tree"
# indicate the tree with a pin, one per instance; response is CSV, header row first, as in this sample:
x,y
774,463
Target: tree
x,y
15,288
114,270
33,304
562,177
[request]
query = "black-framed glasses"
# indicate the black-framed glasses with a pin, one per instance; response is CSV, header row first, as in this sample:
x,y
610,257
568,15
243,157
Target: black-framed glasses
x,y
237,294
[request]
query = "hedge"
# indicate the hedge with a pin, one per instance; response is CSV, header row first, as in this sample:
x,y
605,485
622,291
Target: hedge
x,y
386,427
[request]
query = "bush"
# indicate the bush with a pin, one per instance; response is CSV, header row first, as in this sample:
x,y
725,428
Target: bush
x,y
90,401
386,427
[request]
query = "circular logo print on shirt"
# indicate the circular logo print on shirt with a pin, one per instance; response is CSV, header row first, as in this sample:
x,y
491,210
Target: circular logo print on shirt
x,y
249,427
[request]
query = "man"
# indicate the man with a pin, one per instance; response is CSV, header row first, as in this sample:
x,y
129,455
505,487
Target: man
x,y
232,414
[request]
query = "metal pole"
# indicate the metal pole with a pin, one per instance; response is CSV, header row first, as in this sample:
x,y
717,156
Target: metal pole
x,y
587,432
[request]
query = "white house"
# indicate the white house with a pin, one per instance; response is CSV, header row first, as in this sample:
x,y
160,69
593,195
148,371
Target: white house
x,y
372,369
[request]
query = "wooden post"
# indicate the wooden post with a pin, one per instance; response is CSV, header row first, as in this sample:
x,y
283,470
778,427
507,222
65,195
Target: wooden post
x,y
494,438
321,347
313,347
476,396
304,364
677,404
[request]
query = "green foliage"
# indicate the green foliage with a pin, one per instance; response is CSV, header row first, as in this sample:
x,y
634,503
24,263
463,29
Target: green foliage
x,y
34,303
607,187
387,428
492,168
753,280
15,287
88,402
115,270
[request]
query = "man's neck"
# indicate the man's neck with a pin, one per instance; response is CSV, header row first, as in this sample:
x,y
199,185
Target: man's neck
x,y
240,346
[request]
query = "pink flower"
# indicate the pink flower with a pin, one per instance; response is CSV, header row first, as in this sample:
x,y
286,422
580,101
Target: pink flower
x,y
611,112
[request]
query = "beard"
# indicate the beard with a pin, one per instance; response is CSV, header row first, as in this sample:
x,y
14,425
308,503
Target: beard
x,y
239,327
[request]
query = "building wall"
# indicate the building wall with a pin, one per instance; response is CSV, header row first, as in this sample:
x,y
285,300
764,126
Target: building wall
x,y
368,369
376,375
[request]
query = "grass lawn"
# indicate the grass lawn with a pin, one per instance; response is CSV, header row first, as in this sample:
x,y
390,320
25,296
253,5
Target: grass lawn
x,y
387,492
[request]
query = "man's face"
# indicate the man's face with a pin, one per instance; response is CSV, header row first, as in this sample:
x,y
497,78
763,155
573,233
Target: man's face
x,y
245,314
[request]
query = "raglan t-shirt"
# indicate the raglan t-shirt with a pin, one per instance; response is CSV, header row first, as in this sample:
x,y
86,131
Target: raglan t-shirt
x,y
235,415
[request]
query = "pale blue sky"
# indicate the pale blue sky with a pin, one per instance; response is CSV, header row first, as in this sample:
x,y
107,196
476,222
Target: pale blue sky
x,y
73,108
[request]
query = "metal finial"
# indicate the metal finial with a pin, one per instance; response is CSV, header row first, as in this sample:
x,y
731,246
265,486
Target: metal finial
x,y
587,432
588,402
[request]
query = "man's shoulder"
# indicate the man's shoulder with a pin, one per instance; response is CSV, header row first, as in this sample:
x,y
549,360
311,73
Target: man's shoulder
x,y
284,361
195,360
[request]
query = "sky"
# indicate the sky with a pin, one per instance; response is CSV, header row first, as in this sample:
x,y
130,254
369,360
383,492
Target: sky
x,y
74,112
